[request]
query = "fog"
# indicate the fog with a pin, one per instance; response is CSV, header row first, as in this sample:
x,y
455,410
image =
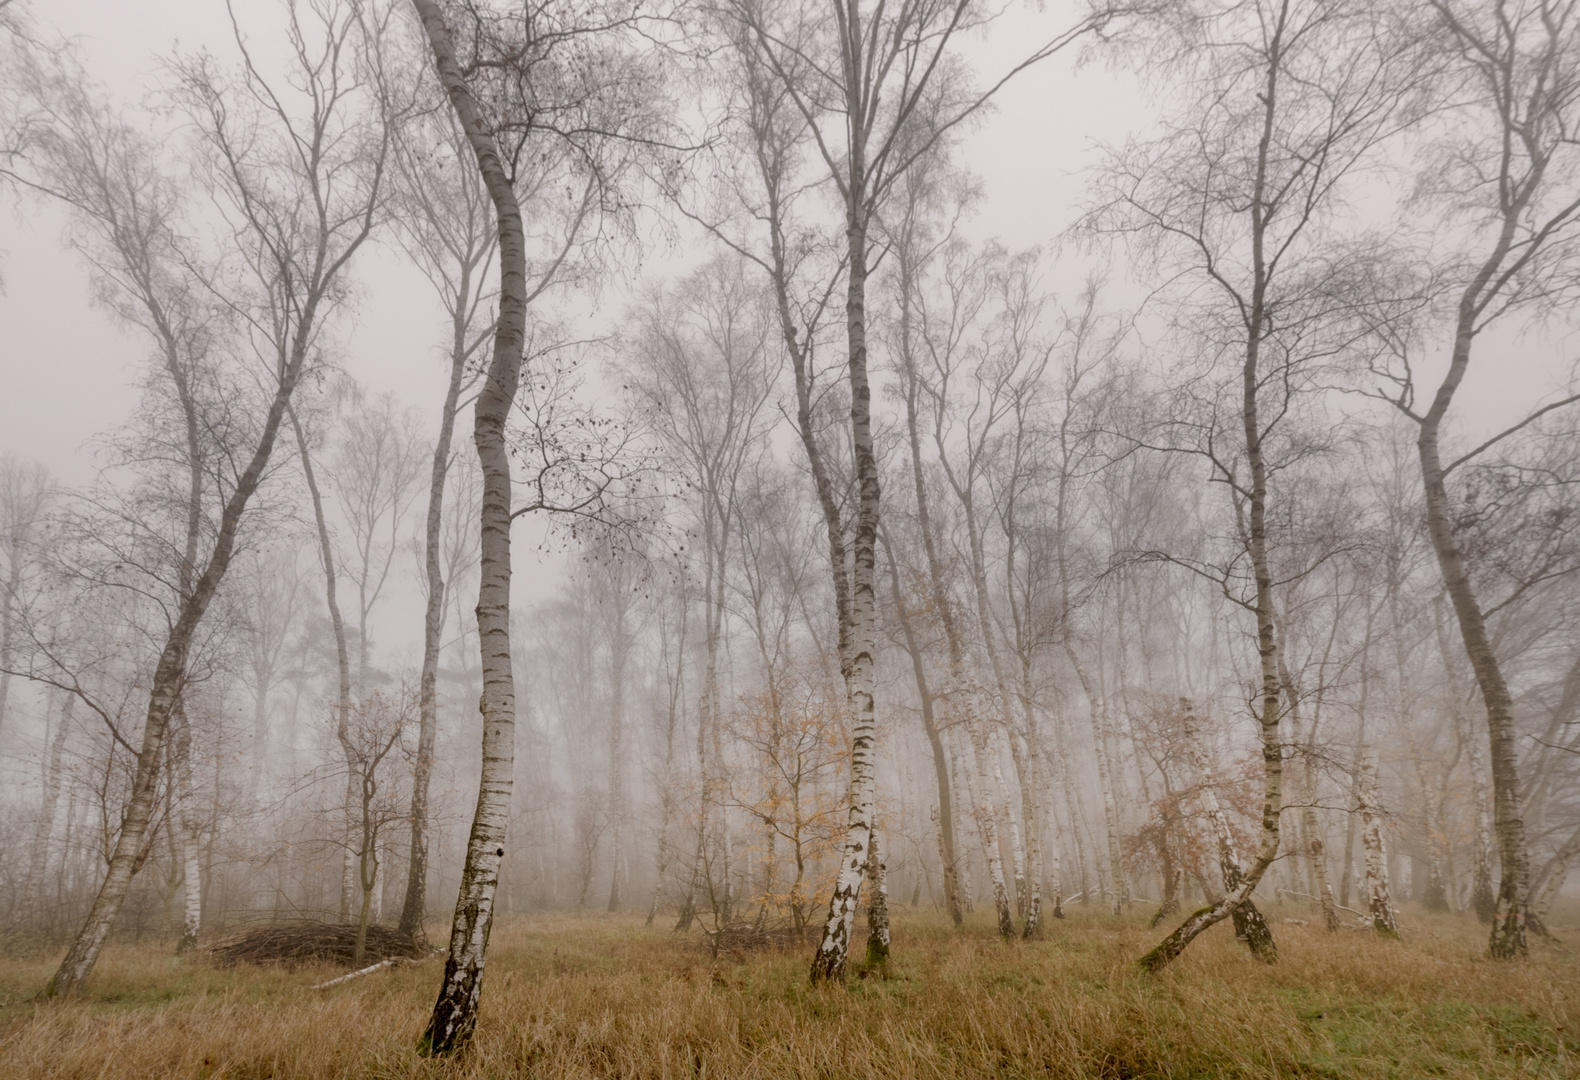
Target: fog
x,y
1100,552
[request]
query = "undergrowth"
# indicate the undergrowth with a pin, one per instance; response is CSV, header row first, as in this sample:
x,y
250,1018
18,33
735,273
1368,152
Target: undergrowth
x,y
598,996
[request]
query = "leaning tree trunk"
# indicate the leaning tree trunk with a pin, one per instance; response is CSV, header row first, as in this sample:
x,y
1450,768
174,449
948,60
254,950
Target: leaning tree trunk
x,y
1551,880
1250,925
1511,906
1378,903
455,1012
169,679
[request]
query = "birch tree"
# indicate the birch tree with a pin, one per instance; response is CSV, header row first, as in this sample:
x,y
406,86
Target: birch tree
x,y
1292,99
1509,177
859,78
518,98
444,226
296,231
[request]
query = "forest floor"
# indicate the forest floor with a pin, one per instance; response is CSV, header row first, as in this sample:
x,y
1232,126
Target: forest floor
x,y
602,996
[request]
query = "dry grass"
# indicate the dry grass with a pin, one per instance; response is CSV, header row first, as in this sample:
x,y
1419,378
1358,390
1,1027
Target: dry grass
x,y
602,997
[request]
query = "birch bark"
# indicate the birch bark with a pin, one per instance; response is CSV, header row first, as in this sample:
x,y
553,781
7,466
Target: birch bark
x,y
1378,903
454,1015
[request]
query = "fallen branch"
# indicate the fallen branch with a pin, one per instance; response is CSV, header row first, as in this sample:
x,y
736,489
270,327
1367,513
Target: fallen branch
x,y
391,962
355,974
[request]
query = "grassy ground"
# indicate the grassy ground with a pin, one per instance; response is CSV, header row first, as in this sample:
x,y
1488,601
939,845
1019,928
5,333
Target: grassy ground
x,y
603,997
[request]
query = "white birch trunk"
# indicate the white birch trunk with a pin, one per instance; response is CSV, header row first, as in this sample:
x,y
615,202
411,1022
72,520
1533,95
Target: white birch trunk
x,y
979,788
189,826
1379,905
1116,869
455,1012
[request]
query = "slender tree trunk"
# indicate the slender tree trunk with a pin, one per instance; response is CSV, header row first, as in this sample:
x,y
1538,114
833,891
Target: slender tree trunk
x,y
1355,762
1254,508
1006,818
414,907
455,1012
13,585
1379,904
326,556
1316,850
943,815
1095,711
617,796
1031,812
980,791
1310,822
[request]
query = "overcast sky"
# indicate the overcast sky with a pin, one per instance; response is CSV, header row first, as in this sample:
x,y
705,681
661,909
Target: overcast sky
x,y
66,368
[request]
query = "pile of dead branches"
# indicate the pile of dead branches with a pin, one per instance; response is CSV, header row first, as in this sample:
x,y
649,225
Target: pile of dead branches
x,y
311,942
747,937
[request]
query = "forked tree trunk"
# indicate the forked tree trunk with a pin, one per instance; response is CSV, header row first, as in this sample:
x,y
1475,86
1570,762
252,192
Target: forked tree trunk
x,y
455,1012
1317,851
1031,812
1379,905
1250,925
1250,495
1310,821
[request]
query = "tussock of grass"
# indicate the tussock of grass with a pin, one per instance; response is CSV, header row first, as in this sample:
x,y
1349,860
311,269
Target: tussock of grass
x,y
603,997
